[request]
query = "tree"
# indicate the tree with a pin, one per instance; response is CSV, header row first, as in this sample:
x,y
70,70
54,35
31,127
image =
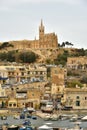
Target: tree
x,y
84,80
11,56
5,44
28,57
63,44
73,84
3,56
62,58
66,43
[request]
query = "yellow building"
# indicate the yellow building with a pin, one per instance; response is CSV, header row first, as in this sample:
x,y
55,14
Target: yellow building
x,y
3,97
58,75
77,62
33,95
17,73
12,103
75,97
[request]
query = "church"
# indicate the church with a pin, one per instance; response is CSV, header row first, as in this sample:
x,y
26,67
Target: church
x,y
45,41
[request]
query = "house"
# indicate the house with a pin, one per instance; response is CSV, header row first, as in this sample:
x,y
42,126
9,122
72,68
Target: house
x,y
3,97
76,97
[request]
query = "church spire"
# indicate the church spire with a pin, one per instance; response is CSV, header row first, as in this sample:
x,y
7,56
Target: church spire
x,y
41,23
41,30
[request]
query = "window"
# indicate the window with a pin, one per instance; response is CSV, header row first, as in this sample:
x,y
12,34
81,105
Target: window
x,y
28,72
10,105
2,93
77,103
77,97
14,105
85,98
32,94
22,73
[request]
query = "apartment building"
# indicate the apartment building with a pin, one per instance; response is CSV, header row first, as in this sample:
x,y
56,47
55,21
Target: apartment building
x,y
17,73
77,62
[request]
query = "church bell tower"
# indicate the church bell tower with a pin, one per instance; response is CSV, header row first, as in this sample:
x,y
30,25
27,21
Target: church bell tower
x,y
41,30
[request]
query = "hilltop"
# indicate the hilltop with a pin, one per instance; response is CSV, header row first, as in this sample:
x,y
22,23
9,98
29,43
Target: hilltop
x,y
50,55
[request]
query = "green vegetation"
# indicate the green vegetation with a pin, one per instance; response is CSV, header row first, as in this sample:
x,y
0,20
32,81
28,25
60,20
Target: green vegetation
x,y
84,79
49,61
62,58
27,57
15,56
5,45
72,73
65,43
78,52
10,56
74,83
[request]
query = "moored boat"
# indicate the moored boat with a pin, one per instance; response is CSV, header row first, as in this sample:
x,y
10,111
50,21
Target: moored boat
x,y
73,119
4,117
84,118
54,117
47,117
13,127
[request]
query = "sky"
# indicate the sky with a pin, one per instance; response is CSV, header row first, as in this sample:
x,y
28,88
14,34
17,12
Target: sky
x,y
20,20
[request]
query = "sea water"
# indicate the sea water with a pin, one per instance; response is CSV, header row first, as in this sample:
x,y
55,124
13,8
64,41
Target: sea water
x,y
39,122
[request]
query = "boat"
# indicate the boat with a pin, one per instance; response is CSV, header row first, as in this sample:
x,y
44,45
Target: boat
x,y
26,122
47,109
16,117
34,117
47,117
45,127
76,127
54,117
13,127
30,109
4,117
22,116
29,115
84,118
73,119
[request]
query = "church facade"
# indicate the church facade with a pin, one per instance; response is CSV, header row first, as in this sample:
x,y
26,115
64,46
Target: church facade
x,y
45,41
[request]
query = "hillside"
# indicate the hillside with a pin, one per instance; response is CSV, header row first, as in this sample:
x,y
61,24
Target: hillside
x,y
50,56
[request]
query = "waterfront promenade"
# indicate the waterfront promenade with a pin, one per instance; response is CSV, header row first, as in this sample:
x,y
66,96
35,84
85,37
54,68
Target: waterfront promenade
x,y
40,113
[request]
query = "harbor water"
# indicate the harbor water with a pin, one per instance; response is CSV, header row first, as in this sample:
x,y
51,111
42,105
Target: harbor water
x,y
39,121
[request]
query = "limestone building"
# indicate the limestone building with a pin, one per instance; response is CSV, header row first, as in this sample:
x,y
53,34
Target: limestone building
x,y
58,75
77,62
45,41
76,97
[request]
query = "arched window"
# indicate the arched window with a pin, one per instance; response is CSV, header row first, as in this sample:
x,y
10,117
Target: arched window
x,y
10,105
14,104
